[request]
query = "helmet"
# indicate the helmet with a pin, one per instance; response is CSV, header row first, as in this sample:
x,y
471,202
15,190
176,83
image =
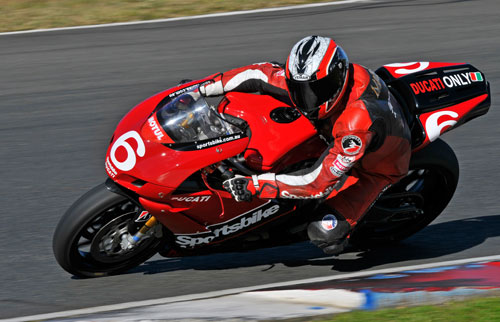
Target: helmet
x,y
316,75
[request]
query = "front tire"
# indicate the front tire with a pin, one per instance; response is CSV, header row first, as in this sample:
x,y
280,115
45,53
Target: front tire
x,y
87,240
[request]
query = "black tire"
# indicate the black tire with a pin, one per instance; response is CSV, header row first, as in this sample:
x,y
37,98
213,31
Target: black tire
x,y
419,197
79,242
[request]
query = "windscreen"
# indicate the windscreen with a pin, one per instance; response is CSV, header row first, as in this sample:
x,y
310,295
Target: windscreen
x,y
188,118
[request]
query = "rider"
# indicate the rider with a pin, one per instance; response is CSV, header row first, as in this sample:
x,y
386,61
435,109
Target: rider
x,y
352,108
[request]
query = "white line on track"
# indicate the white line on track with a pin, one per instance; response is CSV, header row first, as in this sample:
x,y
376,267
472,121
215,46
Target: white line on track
x,y
212,15
191,297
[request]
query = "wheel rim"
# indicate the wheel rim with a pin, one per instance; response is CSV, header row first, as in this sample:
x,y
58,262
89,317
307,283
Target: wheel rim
x,y
404,201
99,243
419,197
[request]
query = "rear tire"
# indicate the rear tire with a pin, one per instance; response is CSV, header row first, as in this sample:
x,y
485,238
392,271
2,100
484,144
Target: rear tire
x,y
86,241
419,198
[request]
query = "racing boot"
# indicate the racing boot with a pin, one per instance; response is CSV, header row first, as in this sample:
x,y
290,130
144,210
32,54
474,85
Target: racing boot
x,y
330,232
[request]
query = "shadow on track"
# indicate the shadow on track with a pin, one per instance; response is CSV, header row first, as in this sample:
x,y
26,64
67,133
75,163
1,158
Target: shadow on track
x,y
434,241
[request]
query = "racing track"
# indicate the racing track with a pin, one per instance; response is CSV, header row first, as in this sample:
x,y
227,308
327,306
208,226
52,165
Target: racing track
x,y
62,93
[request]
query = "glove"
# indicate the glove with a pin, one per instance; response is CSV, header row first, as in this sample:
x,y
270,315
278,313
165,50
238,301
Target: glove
x,y
242,188
213,87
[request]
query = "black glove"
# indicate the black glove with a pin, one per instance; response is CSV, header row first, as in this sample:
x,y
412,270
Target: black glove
x,y
241,188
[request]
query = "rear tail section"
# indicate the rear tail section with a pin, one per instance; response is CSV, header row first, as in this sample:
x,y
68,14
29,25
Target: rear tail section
x,y
437,97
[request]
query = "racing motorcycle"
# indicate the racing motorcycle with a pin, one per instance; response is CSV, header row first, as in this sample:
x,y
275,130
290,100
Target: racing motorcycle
x,y
169,155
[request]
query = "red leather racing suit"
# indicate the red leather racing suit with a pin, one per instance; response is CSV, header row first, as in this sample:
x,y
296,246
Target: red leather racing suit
x,y
368,135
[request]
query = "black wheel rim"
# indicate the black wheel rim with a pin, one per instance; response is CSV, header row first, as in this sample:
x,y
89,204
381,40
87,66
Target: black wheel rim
x,y
408,206
93,244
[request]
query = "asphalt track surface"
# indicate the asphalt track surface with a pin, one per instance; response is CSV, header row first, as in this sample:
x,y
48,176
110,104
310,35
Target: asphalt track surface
x,y
62,93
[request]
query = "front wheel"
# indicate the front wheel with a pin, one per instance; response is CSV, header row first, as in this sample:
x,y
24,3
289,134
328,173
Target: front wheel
x,y
415,201
91,238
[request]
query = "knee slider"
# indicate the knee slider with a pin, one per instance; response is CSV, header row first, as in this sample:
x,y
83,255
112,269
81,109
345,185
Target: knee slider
x,y
329,229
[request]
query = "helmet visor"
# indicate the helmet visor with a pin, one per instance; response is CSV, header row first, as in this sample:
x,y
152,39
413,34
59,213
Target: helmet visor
x,y
309,95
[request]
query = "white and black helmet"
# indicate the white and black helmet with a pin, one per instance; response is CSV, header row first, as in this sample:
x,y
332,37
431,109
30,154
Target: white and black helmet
x,y
316,75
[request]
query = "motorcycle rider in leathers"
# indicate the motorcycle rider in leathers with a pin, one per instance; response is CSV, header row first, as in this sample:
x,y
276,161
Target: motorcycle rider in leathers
x,y
353,110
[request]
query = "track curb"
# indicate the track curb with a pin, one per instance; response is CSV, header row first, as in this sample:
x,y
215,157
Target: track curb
x,y
296,292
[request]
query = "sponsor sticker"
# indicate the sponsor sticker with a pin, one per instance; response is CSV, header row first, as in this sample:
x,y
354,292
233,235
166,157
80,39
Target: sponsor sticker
x,y
232,226
301,77
155,128
437,122
144,216
341,165
110,169
461,79
131,154
182,91
449,81
351,144
427,86
335,171
205,144
408,68
218,141
287,194
346,159
329,222
476,77
192,199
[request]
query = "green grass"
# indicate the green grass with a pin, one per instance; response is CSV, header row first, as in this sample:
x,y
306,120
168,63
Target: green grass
x,y
481,310
38,14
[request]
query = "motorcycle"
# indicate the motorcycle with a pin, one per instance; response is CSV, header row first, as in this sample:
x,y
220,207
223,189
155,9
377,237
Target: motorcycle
x,y
169,155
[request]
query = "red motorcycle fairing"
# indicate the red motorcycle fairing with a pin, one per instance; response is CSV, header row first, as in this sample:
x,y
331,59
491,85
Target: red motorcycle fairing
x,y
437,97
278,131
438,122
256,214
398,70
145,157
184,216
138,155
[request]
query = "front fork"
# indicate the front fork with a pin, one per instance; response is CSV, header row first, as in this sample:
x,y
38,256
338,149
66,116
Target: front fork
x,y
134,239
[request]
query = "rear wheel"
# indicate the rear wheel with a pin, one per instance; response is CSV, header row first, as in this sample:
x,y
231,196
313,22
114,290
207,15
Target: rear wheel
x,y
415,201
91,238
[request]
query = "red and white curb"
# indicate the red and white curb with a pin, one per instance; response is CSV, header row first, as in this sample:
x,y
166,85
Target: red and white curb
x,y
258,302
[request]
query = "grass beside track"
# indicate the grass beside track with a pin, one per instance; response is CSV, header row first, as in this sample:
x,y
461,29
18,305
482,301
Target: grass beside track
x,y
481,309
39,14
